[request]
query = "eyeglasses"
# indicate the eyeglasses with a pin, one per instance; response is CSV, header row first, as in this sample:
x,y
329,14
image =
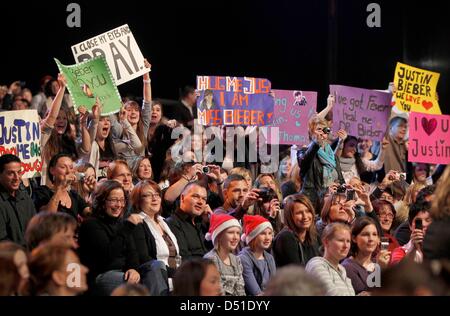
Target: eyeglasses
x,y
387,215
116,201
151,195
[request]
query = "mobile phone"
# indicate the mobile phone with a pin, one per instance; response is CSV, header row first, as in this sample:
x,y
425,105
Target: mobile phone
x,y
384,243
418,223
80,176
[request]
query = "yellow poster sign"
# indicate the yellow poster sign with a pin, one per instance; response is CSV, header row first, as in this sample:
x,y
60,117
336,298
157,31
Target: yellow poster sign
x,y
416,89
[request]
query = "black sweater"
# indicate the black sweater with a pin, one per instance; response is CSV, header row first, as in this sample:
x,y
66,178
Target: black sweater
x,y
106,244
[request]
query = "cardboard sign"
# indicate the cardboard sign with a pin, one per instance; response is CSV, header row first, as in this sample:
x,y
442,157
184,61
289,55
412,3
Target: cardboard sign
x,y
429,138
416,89
234,101
91,79
120,49
20,135
293,109
361,112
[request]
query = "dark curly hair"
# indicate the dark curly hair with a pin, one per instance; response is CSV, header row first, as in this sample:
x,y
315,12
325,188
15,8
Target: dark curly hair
x,y
101,194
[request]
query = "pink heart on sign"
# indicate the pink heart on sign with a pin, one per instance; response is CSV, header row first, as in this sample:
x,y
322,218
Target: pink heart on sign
x,y
427,104
429,125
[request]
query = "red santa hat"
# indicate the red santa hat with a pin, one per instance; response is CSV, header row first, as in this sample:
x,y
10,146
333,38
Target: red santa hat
x,y
218,223
253,226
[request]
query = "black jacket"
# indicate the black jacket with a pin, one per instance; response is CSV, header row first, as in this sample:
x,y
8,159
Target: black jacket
x,y
287,249
190,237
106,244
15,213
311,173
145,243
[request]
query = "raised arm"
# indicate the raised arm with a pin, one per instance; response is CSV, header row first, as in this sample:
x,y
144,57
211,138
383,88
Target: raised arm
x,y
51,117
331,100
85,146
377,164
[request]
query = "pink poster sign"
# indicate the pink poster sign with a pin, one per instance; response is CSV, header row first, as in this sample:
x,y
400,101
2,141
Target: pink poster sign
x,y
292,110
429,138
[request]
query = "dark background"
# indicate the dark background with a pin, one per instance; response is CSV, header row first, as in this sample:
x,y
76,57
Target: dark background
x,y
296,44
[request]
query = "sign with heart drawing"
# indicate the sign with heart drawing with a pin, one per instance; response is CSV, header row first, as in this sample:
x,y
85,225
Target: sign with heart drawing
x,y
429,138
416,90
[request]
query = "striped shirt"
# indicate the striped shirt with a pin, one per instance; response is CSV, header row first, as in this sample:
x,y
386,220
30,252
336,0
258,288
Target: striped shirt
x,y
335,280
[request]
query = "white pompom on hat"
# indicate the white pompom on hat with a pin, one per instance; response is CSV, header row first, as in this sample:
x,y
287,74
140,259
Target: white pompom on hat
x,y
253,226
218,223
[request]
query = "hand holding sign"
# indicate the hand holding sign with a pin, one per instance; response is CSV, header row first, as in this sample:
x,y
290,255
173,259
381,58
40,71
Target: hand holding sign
x,y
96,110
62,80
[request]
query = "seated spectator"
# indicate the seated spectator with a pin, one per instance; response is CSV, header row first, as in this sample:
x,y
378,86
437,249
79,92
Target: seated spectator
x,y
419,214
86,181
187,223
298,241
352,165
153,238
51,227
16,254
142,170
197,277
386,213
294,183
423,201
245,173
409,199
364,257
421,173
258,264
292,280
336,240
120,171
284,169
269,207
60,197
51,267
225,233
238,197
106,245
16,206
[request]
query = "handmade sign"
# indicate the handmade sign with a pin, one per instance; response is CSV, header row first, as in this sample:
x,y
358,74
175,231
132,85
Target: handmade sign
x,y
20,135
416,89
234,101
293,109
429,138
91,79
360,112
120,49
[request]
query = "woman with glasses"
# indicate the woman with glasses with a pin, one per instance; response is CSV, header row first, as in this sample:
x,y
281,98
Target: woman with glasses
x,y
386,213
105,244
153,238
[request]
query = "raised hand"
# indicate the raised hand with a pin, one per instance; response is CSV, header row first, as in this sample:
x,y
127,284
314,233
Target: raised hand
x,y
62,80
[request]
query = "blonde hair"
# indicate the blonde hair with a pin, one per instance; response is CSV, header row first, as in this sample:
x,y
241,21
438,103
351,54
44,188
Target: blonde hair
x,y
313,122
330,230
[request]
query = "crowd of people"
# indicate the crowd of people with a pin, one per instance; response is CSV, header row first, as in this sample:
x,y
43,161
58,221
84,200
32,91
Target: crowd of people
x,y
121,207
